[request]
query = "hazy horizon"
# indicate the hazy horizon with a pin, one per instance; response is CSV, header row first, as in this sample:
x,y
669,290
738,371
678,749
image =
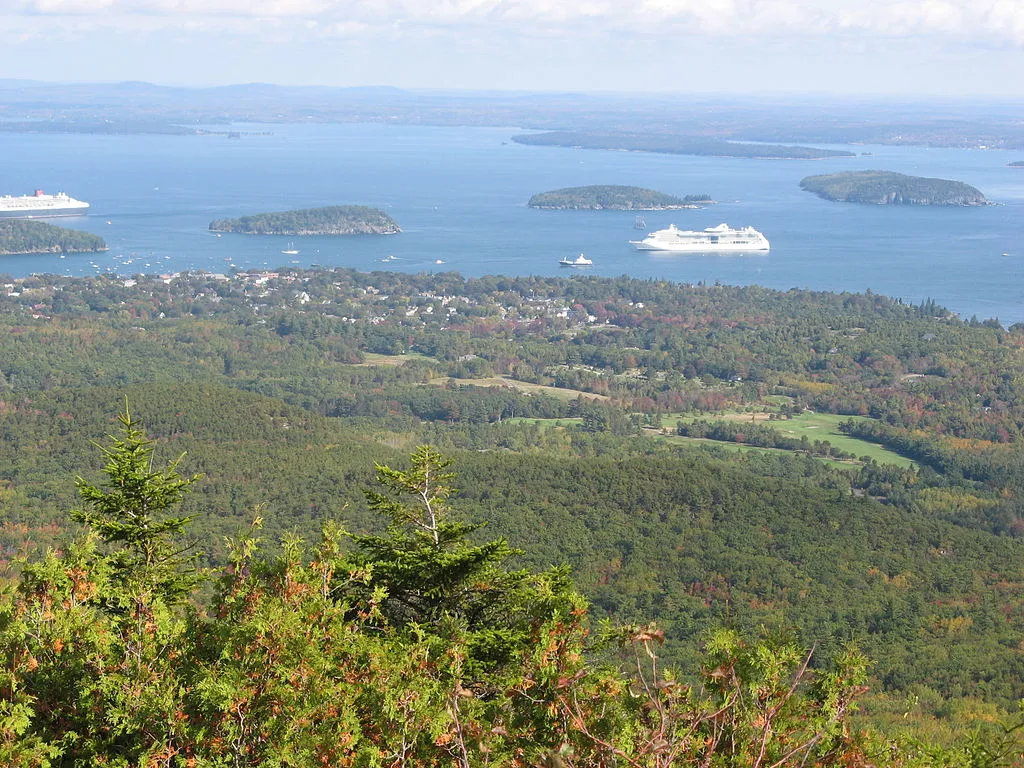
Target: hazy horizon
x,y
937,48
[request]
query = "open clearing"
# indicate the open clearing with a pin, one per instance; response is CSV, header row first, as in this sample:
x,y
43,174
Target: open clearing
x,y
741,448
372,358
813,426
523,386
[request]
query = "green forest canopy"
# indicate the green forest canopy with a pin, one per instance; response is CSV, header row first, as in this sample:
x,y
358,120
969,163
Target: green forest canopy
x,y
888,188
613,197
24,236
331,220
413,647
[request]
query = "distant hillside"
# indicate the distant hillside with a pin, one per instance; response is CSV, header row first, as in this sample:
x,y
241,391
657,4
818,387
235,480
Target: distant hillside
x,y
676,145
888,188
615,198
23,236
333,220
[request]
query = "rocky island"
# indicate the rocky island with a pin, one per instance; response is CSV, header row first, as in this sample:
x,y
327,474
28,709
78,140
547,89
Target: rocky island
x,y
610,197
22,236
888,188
674,144
332,220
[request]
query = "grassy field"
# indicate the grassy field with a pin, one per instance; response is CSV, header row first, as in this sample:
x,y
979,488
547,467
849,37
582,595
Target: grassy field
x,y
372,358
815,426
737,447
544,423
524,386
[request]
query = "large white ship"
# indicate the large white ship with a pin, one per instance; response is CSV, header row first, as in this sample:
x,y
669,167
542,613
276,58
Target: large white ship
x,y
720,238
40,205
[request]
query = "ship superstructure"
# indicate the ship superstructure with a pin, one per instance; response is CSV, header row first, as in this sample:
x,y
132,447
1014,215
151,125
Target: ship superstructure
x,y
720,238
40,204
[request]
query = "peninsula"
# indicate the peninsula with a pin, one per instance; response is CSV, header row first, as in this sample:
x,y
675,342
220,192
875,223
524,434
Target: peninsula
x,y
675,145
332,220
23,236
610,197
888,188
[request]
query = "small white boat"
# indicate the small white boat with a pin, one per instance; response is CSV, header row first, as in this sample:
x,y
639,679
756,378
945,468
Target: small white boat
x,y
579,261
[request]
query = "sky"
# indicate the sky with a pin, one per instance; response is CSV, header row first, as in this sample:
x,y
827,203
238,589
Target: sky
x,y
929,47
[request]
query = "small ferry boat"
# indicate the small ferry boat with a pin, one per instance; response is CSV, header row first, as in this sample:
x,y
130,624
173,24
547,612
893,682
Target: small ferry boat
x,y
579,261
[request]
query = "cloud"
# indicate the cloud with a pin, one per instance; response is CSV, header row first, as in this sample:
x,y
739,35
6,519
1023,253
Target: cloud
x,y
991,22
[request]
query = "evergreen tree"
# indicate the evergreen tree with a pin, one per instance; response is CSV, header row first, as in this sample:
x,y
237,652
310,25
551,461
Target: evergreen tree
x,y
130,512
434,579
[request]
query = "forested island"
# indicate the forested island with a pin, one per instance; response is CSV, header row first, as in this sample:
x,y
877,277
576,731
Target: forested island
x,y
1016,164
611,197
25,236
676,145
829,470
331,220
888,188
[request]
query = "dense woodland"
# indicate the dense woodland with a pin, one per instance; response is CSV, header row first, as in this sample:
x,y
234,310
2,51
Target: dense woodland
x,y
568,407
888,188
23,236
412,648
331,220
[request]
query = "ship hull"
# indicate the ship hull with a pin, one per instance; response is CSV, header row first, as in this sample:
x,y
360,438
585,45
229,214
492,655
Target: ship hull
x,y
47,213
701,247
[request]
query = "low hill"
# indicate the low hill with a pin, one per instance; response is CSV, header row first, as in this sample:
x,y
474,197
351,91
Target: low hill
x,y
612,197
23,236
332,220
888,188
675,145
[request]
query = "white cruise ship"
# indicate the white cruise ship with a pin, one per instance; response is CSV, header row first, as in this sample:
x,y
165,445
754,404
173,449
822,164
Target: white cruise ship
x,y
40,204
720,238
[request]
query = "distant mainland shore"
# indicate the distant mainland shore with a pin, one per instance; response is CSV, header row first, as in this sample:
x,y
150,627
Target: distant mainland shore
x,y
888,188
331,220
612,197
18,236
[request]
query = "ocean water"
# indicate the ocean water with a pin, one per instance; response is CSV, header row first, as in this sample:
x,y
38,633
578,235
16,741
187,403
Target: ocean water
x,y
460,195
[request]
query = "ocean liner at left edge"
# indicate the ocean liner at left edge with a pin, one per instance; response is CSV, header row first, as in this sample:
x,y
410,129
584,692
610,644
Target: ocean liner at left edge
x,y
40,204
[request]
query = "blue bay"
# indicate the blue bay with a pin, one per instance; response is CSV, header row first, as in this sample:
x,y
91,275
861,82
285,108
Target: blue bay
x,y
460,196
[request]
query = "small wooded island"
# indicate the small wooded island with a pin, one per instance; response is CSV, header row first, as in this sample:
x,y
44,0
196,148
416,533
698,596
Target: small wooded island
x,y
332,220
1016,164
612,197
22,236
888,188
